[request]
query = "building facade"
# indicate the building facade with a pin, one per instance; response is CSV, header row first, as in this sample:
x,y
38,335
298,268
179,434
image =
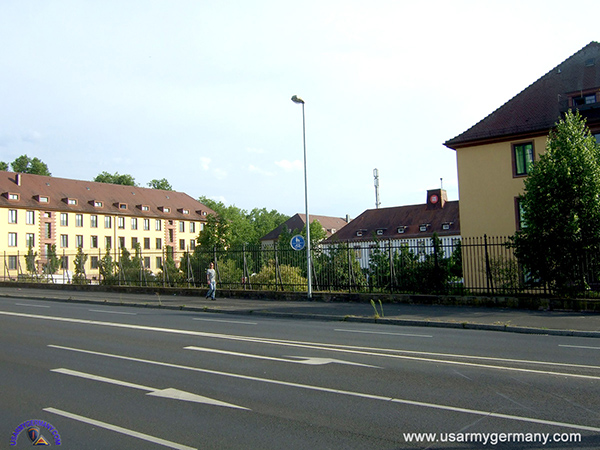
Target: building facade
x,y
40,215
412,226
495,155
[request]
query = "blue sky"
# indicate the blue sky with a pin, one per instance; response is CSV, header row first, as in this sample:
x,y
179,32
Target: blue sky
x,y
198,92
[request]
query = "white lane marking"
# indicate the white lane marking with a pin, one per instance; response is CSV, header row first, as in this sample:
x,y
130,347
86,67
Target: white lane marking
x,y
113,312
228,321
301,360
399,354
166,393
33,306
108,426
383,332
338,391
580,346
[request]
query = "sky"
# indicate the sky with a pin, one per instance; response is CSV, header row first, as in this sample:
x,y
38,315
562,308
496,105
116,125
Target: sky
x,y
198,91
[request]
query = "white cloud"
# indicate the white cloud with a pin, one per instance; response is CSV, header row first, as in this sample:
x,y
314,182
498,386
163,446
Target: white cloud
x,y
254,169
289,166
205,163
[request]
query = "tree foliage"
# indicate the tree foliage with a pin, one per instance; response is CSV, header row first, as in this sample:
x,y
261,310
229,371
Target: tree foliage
x,y
25,164
244,227
561,208
3,166
161,184
115,178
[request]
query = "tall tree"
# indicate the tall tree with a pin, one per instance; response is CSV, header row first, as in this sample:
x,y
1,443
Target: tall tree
x,y
3,166
115,178
25,164
161,184
561,208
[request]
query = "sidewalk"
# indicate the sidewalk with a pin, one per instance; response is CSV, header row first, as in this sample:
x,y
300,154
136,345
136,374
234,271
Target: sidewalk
x,y
497,319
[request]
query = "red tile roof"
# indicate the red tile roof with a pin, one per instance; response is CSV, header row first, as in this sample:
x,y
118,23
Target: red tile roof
x,y
410,218
298,221
538,108
85,193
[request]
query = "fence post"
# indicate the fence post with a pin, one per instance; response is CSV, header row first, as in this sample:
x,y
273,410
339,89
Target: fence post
x,y
488,271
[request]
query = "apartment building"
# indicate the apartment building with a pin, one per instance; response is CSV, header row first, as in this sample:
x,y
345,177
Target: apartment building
x,y
40,212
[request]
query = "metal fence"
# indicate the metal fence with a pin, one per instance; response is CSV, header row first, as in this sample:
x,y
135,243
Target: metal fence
x,y
459,266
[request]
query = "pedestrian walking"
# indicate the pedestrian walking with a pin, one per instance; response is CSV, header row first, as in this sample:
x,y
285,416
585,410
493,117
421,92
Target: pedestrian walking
x,y
211,280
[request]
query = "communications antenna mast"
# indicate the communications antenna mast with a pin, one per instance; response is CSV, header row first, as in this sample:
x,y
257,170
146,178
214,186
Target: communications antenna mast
x,y
376,176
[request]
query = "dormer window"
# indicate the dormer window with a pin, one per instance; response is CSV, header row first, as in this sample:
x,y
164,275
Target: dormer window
x,y
11,196
380,232
446,225
97,204
144,207
359,233
122,205
200,212
164,209
183,211
42,198
423,227
401,229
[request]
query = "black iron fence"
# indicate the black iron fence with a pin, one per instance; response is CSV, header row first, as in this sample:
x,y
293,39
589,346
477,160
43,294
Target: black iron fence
x,y
426,266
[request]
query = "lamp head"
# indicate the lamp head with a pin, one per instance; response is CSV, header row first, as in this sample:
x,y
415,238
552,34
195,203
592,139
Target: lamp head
x,y
297,99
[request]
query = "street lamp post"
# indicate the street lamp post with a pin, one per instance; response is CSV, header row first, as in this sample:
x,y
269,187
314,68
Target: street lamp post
x,y
297,99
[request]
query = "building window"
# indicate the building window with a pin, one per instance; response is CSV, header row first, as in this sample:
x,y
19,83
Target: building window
x,y
64,262
94,262
523,158
12,263
107,222
121,242
30,217
12,196
158,243
78,220
158,262
134,223
72,201
192,227
12,216
182,226
146,224
94,221
181,244
147,243
121,223
134,242
147,262
79,241
12,239
108,241
94,241
171,235
64,240
64,220
158,225
43,199
48,230
30,239
97,204
192,244
520,214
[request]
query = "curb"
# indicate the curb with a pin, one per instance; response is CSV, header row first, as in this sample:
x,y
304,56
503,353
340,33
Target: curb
x,y
331,318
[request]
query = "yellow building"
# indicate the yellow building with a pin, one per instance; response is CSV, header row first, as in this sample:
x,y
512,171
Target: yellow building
x,y
494,156
40,212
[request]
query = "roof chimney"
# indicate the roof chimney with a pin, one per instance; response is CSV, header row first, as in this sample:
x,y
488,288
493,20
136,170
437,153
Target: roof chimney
x,y
18,179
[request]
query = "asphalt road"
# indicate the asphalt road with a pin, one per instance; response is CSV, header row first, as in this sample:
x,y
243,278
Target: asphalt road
x,y
109,377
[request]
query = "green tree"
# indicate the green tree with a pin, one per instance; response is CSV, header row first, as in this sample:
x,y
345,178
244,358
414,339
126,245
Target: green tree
x,y
30,262
80,260
561,208
25,164
52,261
106,267
161,184
3,166
115,178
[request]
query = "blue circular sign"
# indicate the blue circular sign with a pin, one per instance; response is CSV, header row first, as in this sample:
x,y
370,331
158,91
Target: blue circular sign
x,y
297,242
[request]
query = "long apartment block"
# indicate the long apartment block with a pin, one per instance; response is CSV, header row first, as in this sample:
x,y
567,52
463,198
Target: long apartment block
x,y
38,212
